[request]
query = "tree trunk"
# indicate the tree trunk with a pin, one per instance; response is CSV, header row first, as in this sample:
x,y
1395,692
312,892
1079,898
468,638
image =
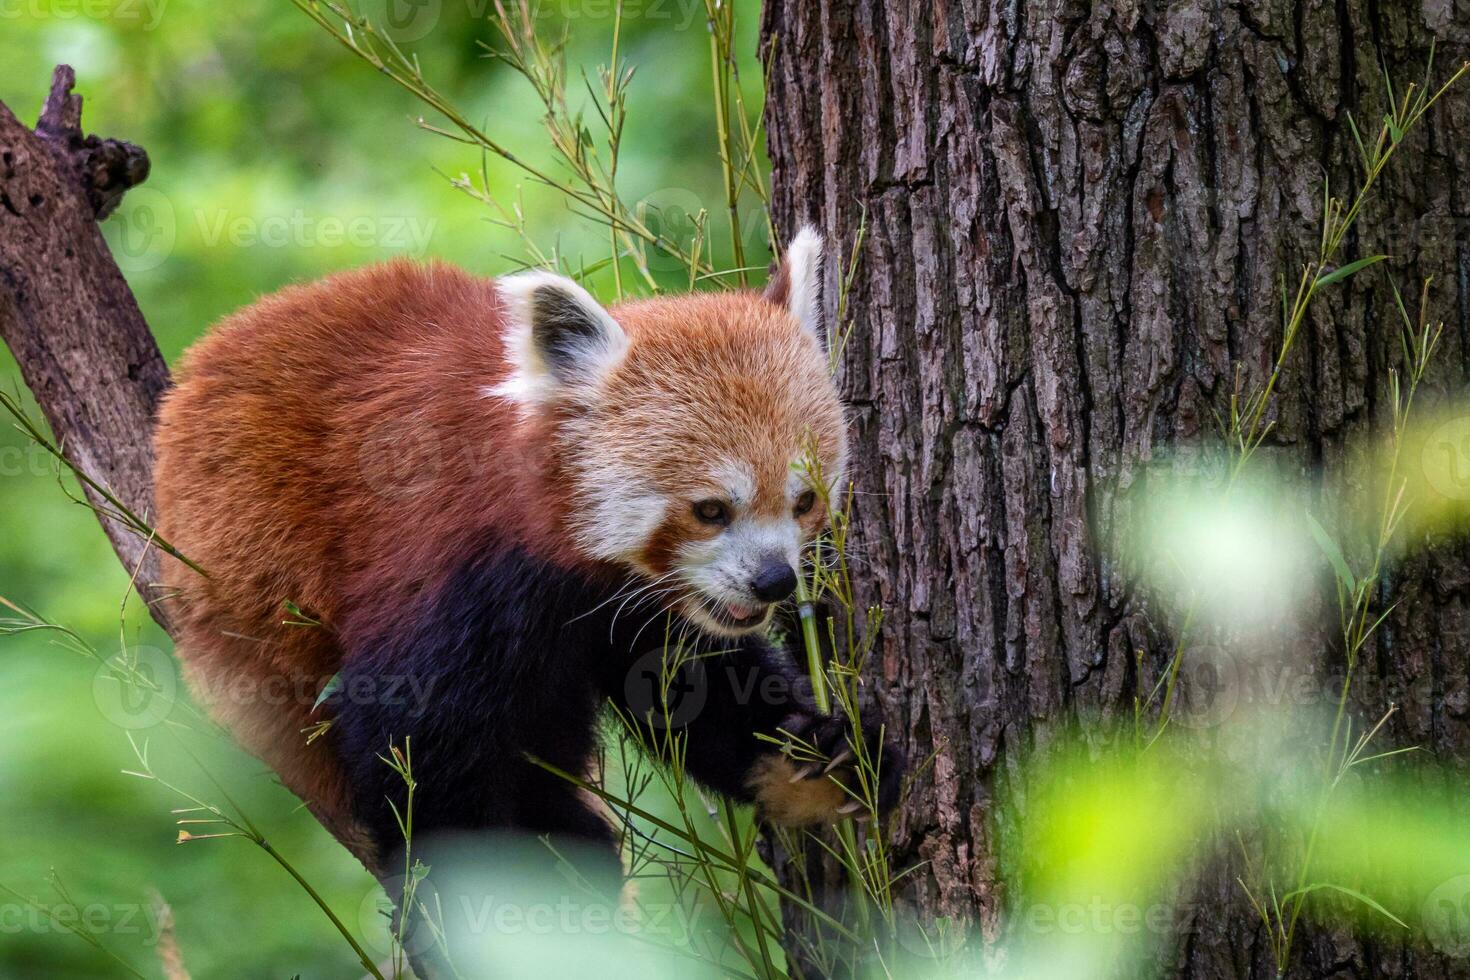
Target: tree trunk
x,y
69,318
1077,216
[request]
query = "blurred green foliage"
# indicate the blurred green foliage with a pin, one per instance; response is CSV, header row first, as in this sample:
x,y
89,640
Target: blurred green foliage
x,y
277,157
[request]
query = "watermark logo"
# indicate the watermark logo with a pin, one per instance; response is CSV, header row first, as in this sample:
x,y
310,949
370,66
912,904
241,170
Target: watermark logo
x,y
300,229
403,21
87,919
400,458
1446,458
674,15
406,21
1098,916
676,216
1447,917
928,938
146,13
380,927
143,231
1215,685
663,697
673,214
462,919
146,230
1208,688
137,687
31,459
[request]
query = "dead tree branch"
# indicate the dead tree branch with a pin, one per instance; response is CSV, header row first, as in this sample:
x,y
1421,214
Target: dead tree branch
x,y
69,317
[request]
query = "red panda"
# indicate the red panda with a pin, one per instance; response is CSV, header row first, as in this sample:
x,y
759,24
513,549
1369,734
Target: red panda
x,y
479,494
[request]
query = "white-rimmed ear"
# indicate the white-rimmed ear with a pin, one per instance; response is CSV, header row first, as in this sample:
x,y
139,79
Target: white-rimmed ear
x,y
559,340
797,284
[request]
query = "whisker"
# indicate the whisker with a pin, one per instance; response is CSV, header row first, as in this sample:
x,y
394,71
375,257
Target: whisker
x,y
647,595
635,585
684,623
642,600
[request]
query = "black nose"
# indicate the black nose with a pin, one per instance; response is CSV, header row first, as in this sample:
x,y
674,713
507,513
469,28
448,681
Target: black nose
x,y
775,581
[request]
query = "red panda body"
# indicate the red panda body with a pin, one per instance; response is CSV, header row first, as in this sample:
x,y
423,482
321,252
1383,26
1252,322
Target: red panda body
x,y
463,485
288,455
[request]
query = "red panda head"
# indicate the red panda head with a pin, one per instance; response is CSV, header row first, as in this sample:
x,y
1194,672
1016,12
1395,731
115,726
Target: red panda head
x,y
690,429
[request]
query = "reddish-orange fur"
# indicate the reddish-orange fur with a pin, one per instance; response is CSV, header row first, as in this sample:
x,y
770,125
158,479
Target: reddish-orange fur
x,y
333,446
281,473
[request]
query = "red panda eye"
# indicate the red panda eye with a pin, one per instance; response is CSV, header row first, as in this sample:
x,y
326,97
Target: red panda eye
x,y
805,503
712,512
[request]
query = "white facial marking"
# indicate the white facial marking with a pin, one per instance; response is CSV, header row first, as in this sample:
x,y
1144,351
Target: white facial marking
x,y
737,479
621,522
724,567
620,511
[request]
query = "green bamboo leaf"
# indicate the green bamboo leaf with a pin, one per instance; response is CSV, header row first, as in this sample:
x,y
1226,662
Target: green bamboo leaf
x,y
1385,755
1395,133
1333,553
298,616
1343,271
1350,893
1358,138
332,687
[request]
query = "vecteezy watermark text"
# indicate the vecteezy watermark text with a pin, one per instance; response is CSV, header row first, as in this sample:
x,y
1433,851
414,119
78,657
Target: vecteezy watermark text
x,y
147,13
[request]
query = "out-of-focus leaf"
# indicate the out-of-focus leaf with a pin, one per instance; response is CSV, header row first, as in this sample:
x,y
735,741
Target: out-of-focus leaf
x,y
1350,893
1333,552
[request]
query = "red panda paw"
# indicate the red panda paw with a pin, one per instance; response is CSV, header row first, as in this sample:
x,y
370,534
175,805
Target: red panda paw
x,y
799,790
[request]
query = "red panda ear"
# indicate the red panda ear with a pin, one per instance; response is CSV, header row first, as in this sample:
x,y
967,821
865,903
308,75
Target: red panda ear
x,y
797,284
559,340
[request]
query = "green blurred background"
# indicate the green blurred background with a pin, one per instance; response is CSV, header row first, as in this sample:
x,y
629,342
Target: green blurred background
x,y
278,156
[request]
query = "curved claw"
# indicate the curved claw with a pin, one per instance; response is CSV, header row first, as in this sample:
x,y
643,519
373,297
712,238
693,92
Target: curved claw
x,y
805,772
838,760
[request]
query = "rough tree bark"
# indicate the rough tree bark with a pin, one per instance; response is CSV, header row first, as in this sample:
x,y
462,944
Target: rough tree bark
x,y
67,313
1077,214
